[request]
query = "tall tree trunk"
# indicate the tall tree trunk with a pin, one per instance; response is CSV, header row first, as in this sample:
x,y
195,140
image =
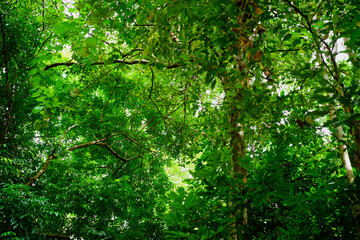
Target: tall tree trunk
x,y
354,132
238,215
238,204
339,134
344,155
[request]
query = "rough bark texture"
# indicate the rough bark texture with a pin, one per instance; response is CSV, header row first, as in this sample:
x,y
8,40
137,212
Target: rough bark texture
x,y
339,135
344,155
354,132
349,171
246,22
239,210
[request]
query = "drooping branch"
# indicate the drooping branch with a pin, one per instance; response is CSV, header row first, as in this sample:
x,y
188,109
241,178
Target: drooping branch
x,y
99,143
79,146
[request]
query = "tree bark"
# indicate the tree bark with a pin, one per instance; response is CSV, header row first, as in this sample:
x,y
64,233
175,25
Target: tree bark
x,y
238,204
238,215
344,155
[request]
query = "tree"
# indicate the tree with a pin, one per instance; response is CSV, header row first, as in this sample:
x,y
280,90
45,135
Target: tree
x,y
109,93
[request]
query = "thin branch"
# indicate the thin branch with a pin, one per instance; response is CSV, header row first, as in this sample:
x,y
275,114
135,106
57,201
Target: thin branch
x,y
134,50
152,82
118,169
42,45
285,50
95,81
185,98
144,25
317,9
58,64
297,10
145,125
136,142
112,151
67,130
308,25
332,58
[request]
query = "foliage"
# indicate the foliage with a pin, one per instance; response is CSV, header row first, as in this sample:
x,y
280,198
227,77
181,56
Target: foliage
x,y
99,99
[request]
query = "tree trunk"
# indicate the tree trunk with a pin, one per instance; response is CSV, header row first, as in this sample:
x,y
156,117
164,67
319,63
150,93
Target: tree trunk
x,y
238,215
247,22
345,159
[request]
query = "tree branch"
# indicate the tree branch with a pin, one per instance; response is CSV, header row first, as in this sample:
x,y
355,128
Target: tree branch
x,y
57,236
42,170
133,62
285,50
118,169
112,151
297,10
79,146
152,83
316,38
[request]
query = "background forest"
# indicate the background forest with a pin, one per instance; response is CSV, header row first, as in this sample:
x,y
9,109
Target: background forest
x,y
174,119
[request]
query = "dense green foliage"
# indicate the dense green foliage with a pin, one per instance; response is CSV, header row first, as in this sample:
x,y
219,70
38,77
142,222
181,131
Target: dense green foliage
x,y
100,101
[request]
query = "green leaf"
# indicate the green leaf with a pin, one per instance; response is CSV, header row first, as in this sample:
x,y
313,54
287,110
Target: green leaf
x,y
33,71
37,109
354,36
40,99
36,94
287,37
61,28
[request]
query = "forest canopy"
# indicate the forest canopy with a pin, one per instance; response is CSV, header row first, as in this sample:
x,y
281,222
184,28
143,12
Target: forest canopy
x,y
176,119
